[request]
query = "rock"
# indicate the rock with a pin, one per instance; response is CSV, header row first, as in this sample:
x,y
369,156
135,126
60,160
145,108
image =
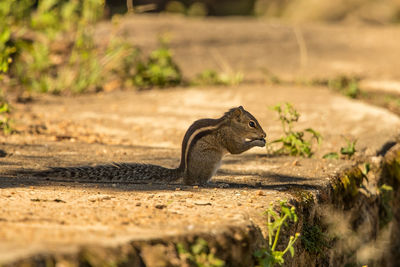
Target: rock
x,y
202,203
99,197
160,206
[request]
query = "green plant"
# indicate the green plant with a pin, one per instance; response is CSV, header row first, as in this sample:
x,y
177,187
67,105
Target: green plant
x,y
270,256
331,155
196,9
348,86
294,142
346,151
6,51
35,32
53,50
158,70
5,124
83,57
8,11
367,168
392,101
33,65
350,149
175,7
62,55
303,196
385,207
199,254
120,57
212,77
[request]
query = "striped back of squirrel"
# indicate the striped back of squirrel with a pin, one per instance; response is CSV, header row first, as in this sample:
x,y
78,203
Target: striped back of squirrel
x,y
196,131
115,172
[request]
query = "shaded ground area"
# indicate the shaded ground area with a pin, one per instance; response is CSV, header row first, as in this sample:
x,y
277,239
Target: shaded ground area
x,y
38,215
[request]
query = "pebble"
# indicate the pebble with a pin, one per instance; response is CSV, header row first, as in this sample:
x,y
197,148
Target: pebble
x,y
238,237
296,163
376,160
99,198
202,203
260,193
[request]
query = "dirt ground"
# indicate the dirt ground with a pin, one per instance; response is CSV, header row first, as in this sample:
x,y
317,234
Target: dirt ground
x,y
127,126
260,47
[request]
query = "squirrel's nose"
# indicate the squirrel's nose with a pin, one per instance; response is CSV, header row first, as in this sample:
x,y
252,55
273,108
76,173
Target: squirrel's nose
x,y
264,135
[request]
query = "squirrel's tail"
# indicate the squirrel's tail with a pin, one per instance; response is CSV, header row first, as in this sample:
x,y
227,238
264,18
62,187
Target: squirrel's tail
x,y
114,172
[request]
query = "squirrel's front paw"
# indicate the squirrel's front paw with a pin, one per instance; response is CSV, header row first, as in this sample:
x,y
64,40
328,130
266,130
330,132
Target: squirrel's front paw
x,y
256,142
259,142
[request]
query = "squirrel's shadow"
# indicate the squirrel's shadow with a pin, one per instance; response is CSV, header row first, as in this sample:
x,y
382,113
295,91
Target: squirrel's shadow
x,y
263,180
253,179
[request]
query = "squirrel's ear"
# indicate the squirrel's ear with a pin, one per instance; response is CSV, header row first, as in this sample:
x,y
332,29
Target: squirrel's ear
x,y
237,112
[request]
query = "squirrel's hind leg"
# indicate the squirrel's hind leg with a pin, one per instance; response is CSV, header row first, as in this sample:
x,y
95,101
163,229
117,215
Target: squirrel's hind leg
x,y
202,167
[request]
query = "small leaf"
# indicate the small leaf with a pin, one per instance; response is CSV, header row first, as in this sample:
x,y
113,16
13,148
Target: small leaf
x,y
350,149
200,246
273,213
277,108
286,210
331,155
291,250
315,134
366,169
180,248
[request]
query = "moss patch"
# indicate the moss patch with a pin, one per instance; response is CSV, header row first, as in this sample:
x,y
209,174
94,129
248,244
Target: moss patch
x,y
385,205
313,239
346,188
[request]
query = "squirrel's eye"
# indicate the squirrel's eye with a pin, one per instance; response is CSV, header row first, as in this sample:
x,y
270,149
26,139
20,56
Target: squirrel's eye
x,y
252,124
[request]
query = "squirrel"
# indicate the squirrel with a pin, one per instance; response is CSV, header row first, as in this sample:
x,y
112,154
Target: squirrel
x,y
203,146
